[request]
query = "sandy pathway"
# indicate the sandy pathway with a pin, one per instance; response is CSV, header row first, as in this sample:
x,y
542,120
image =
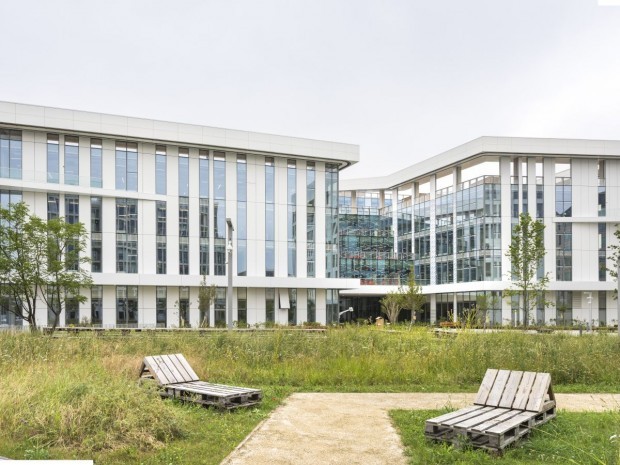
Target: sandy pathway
x,y
317,428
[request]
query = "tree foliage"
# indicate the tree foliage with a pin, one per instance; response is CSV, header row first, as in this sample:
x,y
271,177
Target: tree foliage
x,y
40,261
526,252
392,305
413,299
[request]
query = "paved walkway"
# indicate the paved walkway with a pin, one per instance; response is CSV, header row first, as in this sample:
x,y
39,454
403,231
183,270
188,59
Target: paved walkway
x,y
317,428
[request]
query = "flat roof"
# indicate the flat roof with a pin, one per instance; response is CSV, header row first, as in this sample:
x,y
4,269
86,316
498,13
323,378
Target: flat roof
x,y
487,145
115,126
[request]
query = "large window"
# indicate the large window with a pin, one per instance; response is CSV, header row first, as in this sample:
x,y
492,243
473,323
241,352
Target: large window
x,y
203,168
183,171
53,158
127,306
310,219
331,223
183,235
292,311
270,305
161,238
563,188
10,154
291,226
242,216
270,225
72,216
53,206
184,307
311,317
96,163
127,166
220,307
161,306
564,251
72,160
331,305
96,305
126,236
564,308
219,212
242,307
602,252
160,170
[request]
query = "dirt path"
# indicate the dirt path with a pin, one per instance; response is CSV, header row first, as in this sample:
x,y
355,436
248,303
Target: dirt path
x,y
317,428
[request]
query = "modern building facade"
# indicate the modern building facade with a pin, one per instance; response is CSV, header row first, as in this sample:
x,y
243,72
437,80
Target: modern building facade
x,y
155,198
449,221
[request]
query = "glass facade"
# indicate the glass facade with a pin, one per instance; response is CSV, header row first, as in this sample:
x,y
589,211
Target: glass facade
x,y
270,220
183,172
270,305
72,160
311,306
292,311
242,306
184,321
331,306
219,212
53,206
96,305
96,163
126,235
10,154
220,307
161,306
72,216
564,308
242,216
127,166
160,170
96,240
421,239
564,251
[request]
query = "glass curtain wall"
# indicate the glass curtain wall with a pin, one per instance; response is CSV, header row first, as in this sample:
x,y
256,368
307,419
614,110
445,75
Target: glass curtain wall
x,y
242,215
127,166
310,219
126,235
203,168
331,221
219,212
291,200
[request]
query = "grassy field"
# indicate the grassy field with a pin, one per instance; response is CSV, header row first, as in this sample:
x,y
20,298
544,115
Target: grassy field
x,y
78,397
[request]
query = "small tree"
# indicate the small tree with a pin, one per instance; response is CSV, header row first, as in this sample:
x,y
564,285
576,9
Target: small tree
x,y
392,304
484,302
526,252
413,299
206,295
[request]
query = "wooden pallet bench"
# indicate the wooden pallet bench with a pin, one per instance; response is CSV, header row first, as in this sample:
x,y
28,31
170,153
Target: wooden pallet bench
x,y
508,405
178,380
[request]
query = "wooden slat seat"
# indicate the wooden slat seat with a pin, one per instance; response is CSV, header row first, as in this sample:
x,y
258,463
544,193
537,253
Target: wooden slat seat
x,y
507,406
178,380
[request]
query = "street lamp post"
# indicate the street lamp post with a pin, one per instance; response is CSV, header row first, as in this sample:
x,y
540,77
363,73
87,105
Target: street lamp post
x,y
229,290
589,299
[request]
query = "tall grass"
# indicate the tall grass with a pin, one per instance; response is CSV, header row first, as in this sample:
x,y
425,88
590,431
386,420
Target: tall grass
x,y
82,392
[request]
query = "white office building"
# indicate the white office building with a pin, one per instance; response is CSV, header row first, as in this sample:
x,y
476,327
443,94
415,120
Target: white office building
x,y
450,219
155,197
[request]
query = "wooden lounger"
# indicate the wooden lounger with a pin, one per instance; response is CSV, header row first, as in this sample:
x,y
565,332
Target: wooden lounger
x,y
178,380
508,405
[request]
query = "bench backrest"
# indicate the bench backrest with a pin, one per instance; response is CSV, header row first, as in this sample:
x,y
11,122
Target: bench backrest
x,y
168,369
522,390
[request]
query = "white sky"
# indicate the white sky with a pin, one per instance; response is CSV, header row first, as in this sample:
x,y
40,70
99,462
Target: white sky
x,y
403,79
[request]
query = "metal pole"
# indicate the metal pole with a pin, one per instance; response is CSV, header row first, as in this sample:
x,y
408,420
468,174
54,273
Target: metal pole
x,y
618,300
229,291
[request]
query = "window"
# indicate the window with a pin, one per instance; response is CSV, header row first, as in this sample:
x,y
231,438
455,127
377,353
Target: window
x,y
184,307
53,206
160,170
220,307
96,305
72,216
10,154
53,159
602,308
161,238
95,235
96,160
602,251
270,305
292,310
127,166
72,310
310,219
331,223
126,236
161,306
72,160
311,317
219,212
127,306
291,199
183,171
183,235
242,307
602,189
242,216
270,225
203,167
564,251
331,305
564,308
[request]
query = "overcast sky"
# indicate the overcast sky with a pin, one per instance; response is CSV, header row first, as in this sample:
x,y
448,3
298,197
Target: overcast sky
x,y
403,79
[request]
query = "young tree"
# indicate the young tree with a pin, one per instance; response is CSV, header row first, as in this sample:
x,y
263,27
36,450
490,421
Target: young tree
x,y
526,252
413,299
206,295
66,253
392,304
40,260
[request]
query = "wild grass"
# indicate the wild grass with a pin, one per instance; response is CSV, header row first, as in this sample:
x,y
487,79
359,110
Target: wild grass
x,y
571,438
78,396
